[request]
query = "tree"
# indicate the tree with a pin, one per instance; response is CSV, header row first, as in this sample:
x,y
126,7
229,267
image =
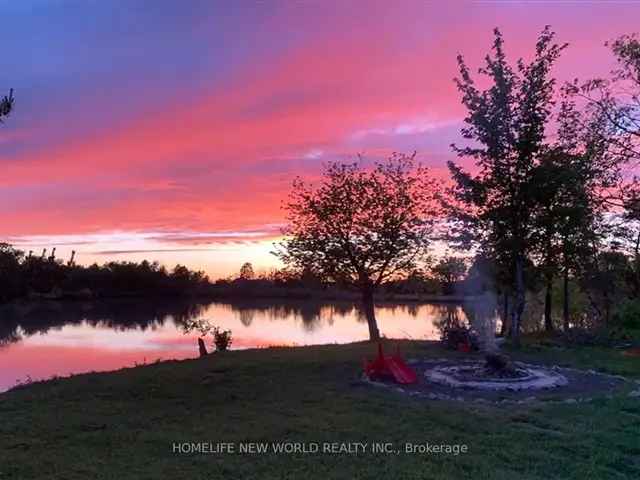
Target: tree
x,y
506,123
566,220
617,98
246,272
6,105
361,226
448,271
629,233
9,257
610,120
12,282
569,186
604,282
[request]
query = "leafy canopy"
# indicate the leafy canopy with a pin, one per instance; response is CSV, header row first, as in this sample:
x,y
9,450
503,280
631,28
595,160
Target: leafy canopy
x,y
361,226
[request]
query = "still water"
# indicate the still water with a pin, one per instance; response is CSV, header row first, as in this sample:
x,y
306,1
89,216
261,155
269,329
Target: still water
x,y
38,341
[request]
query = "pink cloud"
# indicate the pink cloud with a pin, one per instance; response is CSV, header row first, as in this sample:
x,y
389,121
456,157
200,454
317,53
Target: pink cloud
x,y
221,158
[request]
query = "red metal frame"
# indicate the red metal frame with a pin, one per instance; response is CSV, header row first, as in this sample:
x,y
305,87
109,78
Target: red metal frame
x,y
390,367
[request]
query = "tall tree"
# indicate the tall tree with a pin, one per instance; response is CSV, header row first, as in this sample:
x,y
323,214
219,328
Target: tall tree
x,y
506,123
570,187
611,118
361,226
617,98
566,221
629,231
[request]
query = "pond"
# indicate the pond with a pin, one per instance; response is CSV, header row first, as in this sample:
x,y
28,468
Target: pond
x,y
41,340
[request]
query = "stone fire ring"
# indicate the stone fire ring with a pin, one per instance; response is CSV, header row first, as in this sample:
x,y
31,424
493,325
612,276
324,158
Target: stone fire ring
x,y
462,376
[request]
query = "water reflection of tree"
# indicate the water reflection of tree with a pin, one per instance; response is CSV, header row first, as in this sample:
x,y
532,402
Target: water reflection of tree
x,y
9,334
18,320
247,316
311,314
448,316
22,320
410,309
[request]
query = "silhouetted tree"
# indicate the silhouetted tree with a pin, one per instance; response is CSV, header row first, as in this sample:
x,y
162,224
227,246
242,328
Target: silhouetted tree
x,y
506,123
569,186
448,271
617,98
12,282
629,234
563,223
6,105
604,281
21,275
606,132
361,226
246,272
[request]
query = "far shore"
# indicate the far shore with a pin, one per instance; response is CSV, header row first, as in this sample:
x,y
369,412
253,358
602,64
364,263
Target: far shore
x,y
275,295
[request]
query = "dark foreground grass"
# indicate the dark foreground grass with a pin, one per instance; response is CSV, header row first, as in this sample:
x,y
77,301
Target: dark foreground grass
x,y
123,425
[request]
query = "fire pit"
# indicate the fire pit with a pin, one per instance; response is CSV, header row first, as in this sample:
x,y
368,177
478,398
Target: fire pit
x,y
498,379
495,373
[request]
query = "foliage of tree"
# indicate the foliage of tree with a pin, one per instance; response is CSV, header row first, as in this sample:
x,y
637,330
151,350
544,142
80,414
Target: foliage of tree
x,y
418,282
361,226
506,125
6,105
617,98
11,282
611,117
448,271
568,189
22,275
604,280
246,272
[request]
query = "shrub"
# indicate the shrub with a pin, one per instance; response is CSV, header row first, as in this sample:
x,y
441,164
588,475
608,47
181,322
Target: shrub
x,y
455,337
627,315
221,339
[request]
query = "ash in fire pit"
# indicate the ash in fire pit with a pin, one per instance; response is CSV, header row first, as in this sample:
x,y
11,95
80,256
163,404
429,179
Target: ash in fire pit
x,y
497,372
498,365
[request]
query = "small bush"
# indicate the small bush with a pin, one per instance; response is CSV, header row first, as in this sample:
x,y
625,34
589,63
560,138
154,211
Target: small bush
x,y
222,339
627,315
454,337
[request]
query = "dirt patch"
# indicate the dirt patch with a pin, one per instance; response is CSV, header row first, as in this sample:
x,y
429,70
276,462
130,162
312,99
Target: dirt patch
x,y
580,386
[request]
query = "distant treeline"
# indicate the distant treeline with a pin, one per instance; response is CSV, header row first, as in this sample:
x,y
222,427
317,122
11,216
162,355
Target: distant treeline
x,y
28,276
445,278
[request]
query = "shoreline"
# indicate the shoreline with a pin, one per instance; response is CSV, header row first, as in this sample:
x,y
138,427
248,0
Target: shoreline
x,y
303,394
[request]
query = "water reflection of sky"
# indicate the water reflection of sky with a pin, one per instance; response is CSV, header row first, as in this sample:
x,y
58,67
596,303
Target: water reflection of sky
x,y
43,342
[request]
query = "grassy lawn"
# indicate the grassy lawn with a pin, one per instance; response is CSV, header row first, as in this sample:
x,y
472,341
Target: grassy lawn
x,y
122,425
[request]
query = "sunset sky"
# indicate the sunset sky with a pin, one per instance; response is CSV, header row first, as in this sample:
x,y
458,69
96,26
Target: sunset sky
x,y
172,130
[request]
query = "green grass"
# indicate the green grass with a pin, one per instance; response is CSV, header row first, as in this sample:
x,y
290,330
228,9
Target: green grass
x,y
122,425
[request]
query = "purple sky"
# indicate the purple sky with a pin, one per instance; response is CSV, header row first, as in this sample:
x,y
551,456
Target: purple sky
x,y
172,130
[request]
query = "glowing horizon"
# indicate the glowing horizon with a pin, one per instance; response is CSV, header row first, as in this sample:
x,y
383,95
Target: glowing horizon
x,y
155,131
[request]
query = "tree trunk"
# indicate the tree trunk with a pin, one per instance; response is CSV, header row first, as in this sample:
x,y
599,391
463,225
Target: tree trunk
x,y
519,302
548,323
202,348
505,314
636,267
565,300
369,312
